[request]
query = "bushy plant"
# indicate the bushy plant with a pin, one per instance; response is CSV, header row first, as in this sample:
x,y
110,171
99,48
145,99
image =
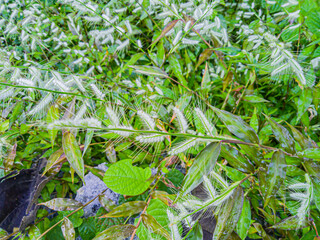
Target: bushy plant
x,y
220,97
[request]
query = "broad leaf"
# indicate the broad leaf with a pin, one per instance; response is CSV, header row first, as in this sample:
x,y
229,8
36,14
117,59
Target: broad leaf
x,y
158,210
53,115
204,56
236,159
123,178
298,136
313,153
316,191
68,229
54,159
237,126
151,223
303,103
62,204
118,232
244,222
177,70
126,209
166,29
202,165
275,175
73,153
290,223
229,215
283,136
149,70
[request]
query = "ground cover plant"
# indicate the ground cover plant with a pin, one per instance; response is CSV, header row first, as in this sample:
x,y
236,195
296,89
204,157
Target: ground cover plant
x,y
203,111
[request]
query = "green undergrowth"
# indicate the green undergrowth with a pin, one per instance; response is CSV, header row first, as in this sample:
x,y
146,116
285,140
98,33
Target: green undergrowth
x,y
215,97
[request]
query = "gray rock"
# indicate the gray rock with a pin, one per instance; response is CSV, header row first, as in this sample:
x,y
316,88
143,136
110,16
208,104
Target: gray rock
x,y
94,186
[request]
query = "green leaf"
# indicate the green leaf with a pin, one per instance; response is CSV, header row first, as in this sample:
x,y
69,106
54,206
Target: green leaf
x,y
16,112
303,103
118,232
53,115
4,126
132,60
87,141
236,159
282,135
313,153
123,178
151,223
166,29
237,126
106,203
62,204
158,210
202,165
254,122
313,22
126,209
262,232
290,223
275,175
196,233
229,215
54,159
254,99
177,69
316,191
151,71
73,153
298,136
244,222
312,168
290,35
87,230
204,56
68,229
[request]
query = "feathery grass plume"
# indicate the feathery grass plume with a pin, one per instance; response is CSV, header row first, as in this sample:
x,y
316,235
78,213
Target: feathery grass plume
x,y
78,82
113,116
189,41
25,82
44,103
6,93
153,138
219,179
175,234
184,215
182,122
123,45
184,146
97,91
208,127
147,119
303,194
91,123
211,191
61,85
177,38
81,112
126,132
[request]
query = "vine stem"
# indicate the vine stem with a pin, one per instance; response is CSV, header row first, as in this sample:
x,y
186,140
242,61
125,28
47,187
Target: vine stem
x,y
77,210
140,219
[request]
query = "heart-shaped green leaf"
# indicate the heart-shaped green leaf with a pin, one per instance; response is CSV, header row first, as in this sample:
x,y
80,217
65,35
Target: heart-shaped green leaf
x,y
123,178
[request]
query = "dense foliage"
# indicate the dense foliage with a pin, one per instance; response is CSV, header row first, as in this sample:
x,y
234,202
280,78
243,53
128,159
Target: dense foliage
x,y
221,96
